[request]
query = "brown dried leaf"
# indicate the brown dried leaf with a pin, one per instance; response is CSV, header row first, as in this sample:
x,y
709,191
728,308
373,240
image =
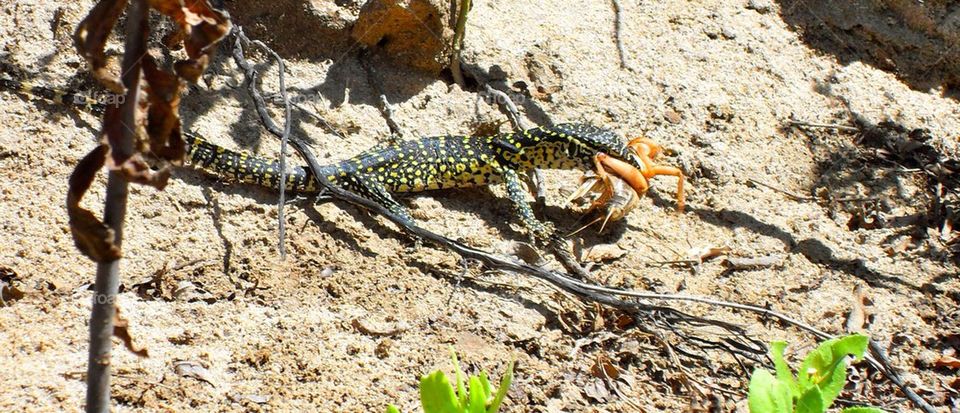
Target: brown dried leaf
x,y
378,329
858,312
623,321
603,369
91,38
201,27
603,252
163,119
948,362
91,236
598,322
702,254
527,253
121,330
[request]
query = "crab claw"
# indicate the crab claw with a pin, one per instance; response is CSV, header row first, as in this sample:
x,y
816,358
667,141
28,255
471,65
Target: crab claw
x,y
625,171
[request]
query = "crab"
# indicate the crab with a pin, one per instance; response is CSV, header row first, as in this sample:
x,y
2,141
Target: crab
x,y
617,186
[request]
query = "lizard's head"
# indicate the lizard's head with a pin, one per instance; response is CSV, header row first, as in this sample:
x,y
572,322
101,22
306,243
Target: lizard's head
x,y
587,140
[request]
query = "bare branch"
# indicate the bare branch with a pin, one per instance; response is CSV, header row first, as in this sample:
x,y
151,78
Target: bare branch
x,y
107,281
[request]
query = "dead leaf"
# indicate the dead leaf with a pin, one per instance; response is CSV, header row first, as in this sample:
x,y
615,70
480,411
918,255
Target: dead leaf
x,y
200,27
858,312
90,40
948,362
602,252
121,330
598,321
379,329
527,253
192,369
702,254
91,236
604,369
623,321
163,119
753,263
597,390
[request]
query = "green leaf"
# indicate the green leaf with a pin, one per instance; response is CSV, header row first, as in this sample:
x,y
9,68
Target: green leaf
x,y
784,374
826,367
487,390
862,409
436,394
461,390
767,394
502,390
392,409
478,400
811,402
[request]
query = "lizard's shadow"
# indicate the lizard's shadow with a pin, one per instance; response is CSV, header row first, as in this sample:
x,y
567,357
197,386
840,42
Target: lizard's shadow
x,y
268,197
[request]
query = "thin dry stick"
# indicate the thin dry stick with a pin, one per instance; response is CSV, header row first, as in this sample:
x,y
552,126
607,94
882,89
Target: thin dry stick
x,y
458,35
823,125
618,11
115,209
283,145
316,116
507,106
801,198
387,110
789,194
250,75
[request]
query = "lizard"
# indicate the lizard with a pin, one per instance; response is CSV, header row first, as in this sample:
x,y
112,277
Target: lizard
x,y
428,163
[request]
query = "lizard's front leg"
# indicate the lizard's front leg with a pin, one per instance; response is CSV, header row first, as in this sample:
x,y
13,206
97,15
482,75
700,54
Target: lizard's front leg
x,y
540,230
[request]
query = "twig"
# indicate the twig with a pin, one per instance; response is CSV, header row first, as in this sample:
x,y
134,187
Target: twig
x,y
115,209
387,110
250,75
618,11
458,35
506,106
316,116
819,200
789,194
822,125
753,263
891,374
283,145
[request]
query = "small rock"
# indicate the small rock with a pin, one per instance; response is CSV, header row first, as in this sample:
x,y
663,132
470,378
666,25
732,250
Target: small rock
x,y
414,32
760,6
672,116
728,33
383,348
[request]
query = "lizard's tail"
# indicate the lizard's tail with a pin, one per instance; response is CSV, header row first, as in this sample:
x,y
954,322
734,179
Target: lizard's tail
x,y
225,163
80,101
246,168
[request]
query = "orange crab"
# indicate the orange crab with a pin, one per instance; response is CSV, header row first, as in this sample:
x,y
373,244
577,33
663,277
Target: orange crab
x,y
617,185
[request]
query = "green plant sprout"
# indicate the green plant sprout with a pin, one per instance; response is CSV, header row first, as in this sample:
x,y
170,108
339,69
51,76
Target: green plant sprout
x,y
437,395
817,384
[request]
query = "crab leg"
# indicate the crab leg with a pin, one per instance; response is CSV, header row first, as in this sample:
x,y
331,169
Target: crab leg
x,y
647,150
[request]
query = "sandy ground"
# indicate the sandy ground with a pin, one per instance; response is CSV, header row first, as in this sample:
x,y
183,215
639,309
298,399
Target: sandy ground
x,y
357,311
